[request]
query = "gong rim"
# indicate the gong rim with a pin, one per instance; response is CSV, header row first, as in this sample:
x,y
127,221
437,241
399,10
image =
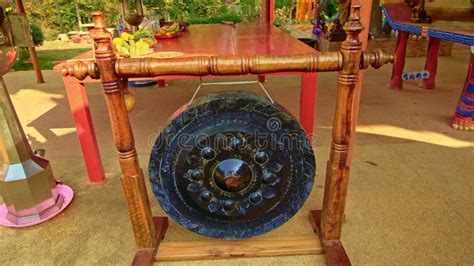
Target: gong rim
x,y
242,191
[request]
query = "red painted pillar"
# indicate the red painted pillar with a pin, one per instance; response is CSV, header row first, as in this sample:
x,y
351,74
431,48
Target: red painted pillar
x,y
431,64
464,116
316,11
161,83
308,102
271,11
396,81
365,12
34,57
268,11
79,104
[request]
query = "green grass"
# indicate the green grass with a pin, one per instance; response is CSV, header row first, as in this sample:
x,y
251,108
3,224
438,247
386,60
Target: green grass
x,y
231,17
48,58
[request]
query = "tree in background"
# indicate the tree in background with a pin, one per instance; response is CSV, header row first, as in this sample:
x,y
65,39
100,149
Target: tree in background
x,y
62,16
59,16
376,19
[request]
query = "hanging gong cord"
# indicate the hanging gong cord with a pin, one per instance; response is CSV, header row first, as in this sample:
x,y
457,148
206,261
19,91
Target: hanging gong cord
x,y
227,83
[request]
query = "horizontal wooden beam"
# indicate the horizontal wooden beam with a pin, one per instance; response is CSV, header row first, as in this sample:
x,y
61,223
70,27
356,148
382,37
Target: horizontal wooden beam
x,y
228,65
224,65
256,247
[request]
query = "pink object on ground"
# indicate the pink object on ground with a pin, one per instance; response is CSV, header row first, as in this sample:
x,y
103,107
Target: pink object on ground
x,y
64,191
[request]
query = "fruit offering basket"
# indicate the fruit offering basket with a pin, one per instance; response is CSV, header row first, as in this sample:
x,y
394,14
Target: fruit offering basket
x,y
139,44
170,30
167,35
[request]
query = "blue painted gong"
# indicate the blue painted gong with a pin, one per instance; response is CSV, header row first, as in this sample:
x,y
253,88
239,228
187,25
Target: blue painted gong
x,y
233,165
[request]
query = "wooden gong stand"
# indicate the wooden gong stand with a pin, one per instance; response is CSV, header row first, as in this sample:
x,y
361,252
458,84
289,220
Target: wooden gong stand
x,y
149,230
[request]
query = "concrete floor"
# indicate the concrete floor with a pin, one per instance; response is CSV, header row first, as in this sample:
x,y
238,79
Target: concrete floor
x,y
410,195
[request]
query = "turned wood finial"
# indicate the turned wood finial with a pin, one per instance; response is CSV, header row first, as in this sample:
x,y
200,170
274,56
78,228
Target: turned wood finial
x,y
81,70
103,46
353,26
103,49
130,101
100,30
98,20
376,59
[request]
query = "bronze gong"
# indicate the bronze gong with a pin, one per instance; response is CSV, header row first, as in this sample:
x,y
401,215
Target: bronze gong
x,y
232,165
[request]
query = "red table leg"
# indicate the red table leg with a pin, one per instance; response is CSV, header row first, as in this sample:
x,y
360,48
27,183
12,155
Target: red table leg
x,y
308,102
396,81
464,117
79,104
271,11
261,78
431,64
161,83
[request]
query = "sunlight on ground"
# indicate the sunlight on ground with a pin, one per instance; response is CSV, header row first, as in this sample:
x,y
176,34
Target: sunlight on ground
x,y
421,136
34,92
29,98
59,132
55,45
33,133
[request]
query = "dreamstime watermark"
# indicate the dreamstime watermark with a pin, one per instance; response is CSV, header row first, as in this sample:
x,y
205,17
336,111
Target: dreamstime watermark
x,y
273,124
274,137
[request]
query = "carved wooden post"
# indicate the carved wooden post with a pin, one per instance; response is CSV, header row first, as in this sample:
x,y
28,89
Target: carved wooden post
x,y
132,176
337,173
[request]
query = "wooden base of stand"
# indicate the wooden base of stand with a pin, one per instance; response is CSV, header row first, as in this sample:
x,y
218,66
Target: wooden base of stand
x,y
146,256
223,249
257,247
334,250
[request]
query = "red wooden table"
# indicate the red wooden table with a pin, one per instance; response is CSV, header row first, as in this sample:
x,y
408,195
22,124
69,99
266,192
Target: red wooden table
x,y
211,39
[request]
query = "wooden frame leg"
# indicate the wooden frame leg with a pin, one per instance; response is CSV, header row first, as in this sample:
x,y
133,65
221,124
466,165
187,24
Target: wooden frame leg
x,y
338,166
396,82
133,183
147,256
431,64
262,78
308,102
333,249
79,104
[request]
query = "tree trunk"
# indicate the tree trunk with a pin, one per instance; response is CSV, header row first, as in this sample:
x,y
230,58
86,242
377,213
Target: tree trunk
x,y
58,10
376,19
78,14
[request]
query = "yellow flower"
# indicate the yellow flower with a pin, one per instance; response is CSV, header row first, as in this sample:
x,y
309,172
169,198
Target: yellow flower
x,y
118,41
126,36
